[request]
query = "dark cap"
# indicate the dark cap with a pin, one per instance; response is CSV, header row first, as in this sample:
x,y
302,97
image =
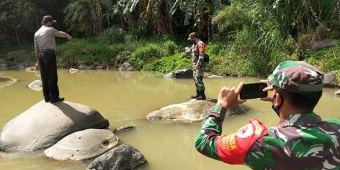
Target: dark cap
x,y
192,35
297,77
47,18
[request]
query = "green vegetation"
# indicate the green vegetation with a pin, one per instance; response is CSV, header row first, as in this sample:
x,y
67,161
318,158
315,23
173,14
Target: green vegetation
x,y
112,48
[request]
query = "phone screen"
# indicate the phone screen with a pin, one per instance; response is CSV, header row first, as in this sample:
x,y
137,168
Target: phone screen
x,y
253,90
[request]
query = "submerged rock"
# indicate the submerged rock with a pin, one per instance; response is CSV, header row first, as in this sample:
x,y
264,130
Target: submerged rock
x,y
35,85
83,145
122,157
191,111
6,81
73,70
44,124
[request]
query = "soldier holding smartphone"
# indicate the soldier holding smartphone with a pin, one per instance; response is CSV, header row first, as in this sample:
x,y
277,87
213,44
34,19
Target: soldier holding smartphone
x,y
301,140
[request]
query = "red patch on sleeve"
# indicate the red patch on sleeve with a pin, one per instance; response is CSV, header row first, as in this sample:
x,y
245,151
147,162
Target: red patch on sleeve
x,y
233,148
201,47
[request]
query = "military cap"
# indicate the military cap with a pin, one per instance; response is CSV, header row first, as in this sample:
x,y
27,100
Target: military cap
x,y
47,18
192,36
297,77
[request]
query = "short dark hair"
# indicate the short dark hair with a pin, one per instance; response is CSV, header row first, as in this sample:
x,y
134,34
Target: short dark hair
x,y
305,101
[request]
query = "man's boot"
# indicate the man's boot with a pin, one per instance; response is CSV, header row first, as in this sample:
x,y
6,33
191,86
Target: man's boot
x,y
56,99
195,96
201,95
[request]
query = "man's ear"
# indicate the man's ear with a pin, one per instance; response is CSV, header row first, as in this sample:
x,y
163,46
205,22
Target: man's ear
x,y
277,101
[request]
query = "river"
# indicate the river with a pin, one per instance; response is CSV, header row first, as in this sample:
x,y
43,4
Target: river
x,y
125,99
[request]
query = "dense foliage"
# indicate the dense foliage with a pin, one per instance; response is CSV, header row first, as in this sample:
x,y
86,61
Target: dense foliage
x,y
244,37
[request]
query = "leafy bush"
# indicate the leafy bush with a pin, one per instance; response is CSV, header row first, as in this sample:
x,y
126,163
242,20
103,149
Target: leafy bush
x,y
326,60
229,20
168,64
147,53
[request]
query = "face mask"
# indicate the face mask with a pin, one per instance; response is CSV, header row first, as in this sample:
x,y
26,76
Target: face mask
x,y
277,109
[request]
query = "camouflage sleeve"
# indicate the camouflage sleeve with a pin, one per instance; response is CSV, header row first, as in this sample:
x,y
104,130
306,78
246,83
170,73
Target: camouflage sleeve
x,y
231,148
211,128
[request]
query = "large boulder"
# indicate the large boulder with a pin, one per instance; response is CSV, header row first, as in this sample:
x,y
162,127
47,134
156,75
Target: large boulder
x,y
122,157
191,111
44,124
83,145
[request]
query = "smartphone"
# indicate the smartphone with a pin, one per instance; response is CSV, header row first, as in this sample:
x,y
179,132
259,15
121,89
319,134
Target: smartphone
x,y
253,91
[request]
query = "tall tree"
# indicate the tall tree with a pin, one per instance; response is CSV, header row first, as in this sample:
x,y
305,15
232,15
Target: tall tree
x,y
158,15
86,16
15,18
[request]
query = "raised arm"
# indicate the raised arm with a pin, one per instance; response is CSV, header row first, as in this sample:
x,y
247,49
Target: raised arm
x,y
230,148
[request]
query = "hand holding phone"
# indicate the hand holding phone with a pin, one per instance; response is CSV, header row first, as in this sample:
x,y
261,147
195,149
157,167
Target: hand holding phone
x,y
253,90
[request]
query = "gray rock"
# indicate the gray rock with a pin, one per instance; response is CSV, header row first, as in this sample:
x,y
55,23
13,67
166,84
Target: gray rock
x,y
82,67
183,73
329,79
100,67
323,44
73,70
191,111
215,76
337,92
30,69
83,145
44,124
125,67
169,76
35,85
123,157
6,81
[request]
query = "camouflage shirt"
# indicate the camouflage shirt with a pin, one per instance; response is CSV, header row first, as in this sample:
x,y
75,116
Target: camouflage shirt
x,y
302,142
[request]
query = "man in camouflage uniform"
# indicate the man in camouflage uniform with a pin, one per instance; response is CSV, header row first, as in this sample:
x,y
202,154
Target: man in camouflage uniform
x,y
301,140
198,50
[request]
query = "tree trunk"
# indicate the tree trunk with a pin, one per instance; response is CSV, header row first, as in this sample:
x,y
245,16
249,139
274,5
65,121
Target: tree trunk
x,y
17,37
99,14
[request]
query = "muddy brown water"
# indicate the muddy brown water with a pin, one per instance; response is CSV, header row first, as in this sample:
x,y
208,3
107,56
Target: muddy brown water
x,y
125,99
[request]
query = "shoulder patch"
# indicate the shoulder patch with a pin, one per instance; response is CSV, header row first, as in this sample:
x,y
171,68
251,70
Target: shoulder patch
x,y
233,148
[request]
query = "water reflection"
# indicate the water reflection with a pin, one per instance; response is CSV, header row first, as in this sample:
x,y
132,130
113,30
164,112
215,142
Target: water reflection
x,y
125,99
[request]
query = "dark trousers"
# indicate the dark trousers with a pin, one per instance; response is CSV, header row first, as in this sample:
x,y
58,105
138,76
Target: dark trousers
x,y
49,75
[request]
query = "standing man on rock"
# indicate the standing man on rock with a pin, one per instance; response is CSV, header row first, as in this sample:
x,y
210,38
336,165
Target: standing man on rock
x,y
198,50
44,45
